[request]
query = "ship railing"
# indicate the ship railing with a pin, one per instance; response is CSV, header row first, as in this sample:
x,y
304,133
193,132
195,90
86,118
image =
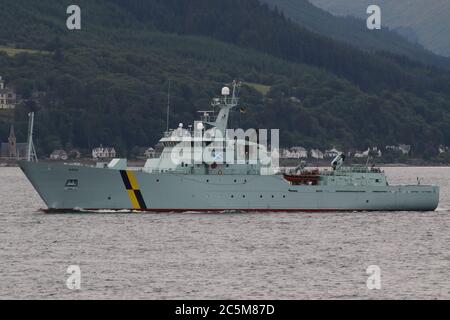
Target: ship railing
x,y
359,169
176,133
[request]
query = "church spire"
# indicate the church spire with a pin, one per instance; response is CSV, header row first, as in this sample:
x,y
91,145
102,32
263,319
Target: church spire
x,y
12,135
12,143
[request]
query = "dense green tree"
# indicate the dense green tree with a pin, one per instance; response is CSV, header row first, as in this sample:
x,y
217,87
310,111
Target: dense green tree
x,y
109,84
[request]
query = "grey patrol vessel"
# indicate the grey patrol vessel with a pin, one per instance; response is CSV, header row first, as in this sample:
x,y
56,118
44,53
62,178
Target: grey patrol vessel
x,y
171,183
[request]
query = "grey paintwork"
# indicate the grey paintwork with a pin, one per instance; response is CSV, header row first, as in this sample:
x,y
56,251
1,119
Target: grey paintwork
x,y
103,188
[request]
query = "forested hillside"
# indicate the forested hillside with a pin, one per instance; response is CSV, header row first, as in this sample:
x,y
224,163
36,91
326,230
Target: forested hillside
x,y
426,21
107,83
354,31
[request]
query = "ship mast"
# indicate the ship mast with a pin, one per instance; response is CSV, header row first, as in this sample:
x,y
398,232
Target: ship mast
x,y
168,107
31,154
225,107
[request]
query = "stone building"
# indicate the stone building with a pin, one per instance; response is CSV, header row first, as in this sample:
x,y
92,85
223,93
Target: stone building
x,y
8,97
12,149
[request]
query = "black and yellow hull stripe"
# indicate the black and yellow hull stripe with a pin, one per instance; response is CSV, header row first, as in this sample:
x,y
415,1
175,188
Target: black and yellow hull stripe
x,y
132,187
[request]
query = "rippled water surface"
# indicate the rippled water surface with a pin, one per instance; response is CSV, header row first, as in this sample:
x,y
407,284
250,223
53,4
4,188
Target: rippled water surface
x,y
223,256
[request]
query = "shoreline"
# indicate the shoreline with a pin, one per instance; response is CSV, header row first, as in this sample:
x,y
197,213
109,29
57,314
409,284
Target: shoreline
x,y
289,163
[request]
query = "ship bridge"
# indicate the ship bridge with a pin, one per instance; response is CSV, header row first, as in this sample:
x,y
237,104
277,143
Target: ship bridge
x,y
185,149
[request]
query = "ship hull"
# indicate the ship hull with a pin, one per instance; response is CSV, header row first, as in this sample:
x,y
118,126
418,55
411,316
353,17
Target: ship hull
x,y
70,187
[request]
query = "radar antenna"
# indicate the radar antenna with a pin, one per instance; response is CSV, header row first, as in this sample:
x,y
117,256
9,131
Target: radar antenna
x,y
234,96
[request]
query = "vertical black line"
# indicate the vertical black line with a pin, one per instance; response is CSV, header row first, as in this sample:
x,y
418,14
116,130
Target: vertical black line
x,y
140,199
125,179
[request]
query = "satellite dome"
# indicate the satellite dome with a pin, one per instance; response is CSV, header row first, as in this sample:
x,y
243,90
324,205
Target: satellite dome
x,y
200,126
225,91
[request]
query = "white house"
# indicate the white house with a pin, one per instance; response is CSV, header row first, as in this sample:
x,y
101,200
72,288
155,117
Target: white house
x,y
59,155
403,148
316,154
443,149
299,152
285,153
332,153
150,153
365,154
294,153
361,154
103,153
7,96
